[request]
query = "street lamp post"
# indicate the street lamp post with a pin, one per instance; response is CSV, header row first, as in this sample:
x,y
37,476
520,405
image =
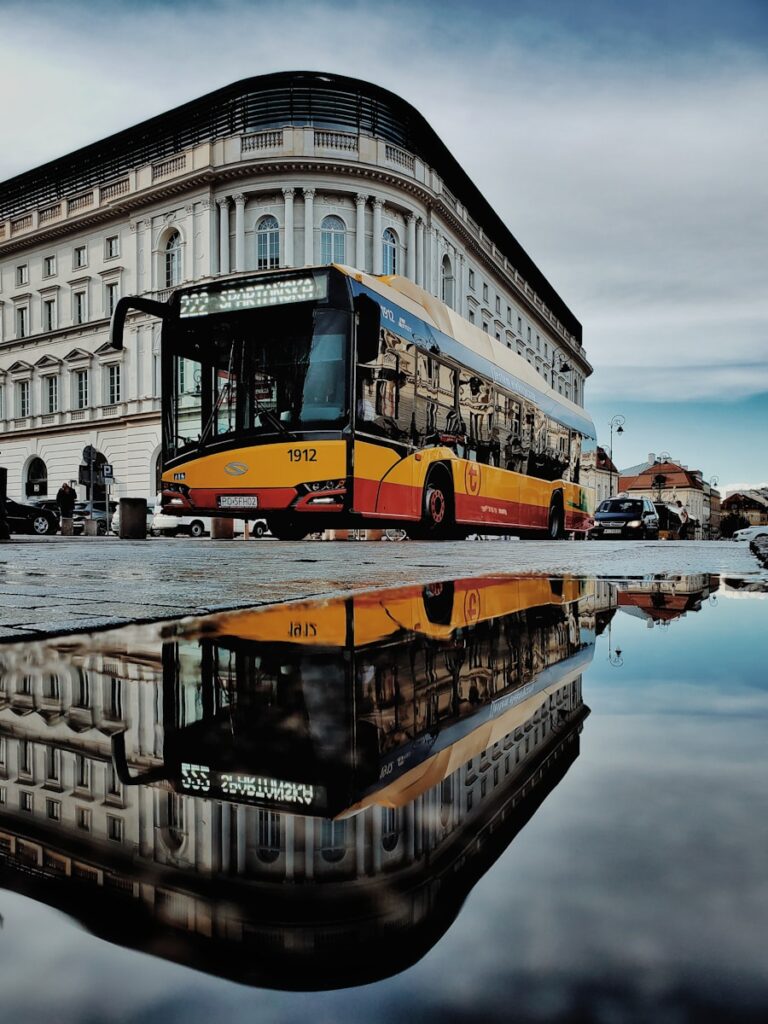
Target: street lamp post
x,y
617,424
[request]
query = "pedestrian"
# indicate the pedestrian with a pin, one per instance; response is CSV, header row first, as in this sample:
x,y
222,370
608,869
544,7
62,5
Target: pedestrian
x,y
682,511
65,499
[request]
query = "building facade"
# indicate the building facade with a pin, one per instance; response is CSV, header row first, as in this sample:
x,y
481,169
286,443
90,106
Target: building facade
x,y
599,472
287,170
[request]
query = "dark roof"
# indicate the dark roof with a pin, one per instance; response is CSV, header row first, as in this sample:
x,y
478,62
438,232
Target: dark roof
x,y
274,101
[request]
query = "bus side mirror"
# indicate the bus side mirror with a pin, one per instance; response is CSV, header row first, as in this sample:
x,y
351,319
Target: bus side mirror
x,y
150,306
368,324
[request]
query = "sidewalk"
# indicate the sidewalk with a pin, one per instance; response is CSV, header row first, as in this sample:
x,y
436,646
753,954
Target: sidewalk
x,y
63,584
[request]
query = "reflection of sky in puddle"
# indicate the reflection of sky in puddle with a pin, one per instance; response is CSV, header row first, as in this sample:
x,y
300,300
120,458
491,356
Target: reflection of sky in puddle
x,y
620,868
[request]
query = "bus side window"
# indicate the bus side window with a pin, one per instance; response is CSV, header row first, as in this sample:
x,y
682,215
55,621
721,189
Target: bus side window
x,y
385,390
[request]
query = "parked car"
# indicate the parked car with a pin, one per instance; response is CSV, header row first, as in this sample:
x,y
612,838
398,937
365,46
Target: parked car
x,y
27,518
750,533
196,526
82,511
115,522
626,517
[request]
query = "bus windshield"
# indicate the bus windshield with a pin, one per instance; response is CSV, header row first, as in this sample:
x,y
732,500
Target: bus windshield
x,y
263,371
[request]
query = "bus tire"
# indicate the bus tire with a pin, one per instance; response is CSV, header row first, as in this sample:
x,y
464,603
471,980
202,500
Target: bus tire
x,y
288,531
437,514
556,520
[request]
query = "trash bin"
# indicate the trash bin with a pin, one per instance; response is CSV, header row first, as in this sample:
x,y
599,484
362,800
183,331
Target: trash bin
x,y
133,519
222,529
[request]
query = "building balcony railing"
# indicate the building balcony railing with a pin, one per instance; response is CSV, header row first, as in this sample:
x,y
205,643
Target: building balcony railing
x,y
261,140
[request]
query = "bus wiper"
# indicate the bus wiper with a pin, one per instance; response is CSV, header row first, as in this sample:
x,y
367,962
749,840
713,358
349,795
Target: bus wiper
x,y
224,391
270,417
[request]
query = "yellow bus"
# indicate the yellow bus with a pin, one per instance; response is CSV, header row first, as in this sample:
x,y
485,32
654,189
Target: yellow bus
x,y
329,398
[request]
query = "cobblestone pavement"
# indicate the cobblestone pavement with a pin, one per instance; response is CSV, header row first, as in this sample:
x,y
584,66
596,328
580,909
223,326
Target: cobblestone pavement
x,y
57,585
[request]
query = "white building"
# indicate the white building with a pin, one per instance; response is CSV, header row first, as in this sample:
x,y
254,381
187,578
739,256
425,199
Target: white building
x,y
284,170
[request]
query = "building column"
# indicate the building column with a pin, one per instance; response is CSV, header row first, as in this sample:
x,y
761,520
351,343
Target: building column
x,y
420,252
378,206
288,194
223,235
360,201
461,305
309,227
410,256
239,231
189,243
436,265
209,249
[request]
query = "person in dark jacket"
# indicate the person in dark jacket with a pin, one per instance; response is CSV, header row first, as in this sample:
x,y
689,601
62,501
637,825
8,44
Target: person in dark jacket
x,y
65,498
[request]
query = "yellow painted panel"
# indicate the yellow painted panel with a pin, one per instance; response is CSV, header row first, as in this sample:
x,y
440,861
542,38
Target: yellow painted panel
x,y
310,623
282,464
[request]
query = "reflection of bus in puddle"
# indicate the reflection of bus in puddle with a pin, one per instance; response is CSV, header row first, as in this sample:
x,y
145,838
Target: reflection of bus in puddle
x,y
302,785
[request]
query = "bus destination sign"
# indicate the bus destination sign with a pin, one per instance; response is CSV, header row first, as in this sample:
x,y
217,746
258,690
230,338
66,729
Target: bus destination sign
x,y
254,295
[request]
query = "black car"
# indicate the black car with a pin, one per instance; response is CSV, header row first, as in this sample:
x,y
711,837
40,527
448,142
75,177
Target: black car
x,y
30,518
626,517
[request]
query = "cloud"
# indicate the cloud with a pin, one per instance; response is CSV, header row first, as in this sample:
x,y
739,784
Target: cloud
x,y
627,154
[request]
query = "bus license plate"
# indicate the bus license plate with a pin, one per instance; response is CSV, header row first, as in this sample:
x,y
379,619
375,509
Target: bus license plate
x,y
237,501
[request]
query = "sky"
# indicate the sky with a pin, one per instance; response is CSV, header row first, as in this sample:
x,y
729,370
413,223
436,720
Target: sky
x,y
623,144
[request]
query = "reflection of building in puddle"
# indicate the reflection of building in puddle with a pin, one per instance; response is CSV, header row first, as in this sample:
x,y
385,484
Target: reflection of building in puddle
x,y
659,600
278,795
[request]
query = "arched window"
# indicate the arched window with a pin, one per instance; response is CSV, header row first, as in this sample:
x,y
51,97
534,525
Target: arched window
x,y
173,260
333,835
332,240
37,478
389,252
267,243
446,277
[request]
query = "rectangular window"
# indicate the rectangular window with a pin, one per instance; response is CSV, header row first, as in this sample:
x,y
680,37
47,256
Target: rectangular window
x,y
115,829
79,313
472,279
498,304
113,383
22,274
22,322
2,795
22,398
52,764
485,293
84,819
485,326
111,298
520,326
81,395
112,247
82,772
25,757
26,802
529,335
80,256
53,809
49,266
471,316
538,343
3,753
51,394
509,314
49,314
114,786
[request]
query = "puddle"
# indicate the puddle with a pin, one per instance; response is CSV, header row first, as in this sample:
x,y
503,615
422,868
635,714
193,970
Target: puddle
x,y
545,790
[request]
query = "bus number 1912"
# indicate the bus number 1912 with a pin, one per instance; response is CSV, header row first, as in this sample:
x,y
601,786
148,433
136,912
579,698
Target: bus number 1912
x,y
302,454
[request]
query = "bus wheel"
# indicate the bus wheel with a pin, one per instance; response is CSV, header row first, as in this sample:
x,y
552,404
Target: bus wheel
x,y
556,521
437,507
288,531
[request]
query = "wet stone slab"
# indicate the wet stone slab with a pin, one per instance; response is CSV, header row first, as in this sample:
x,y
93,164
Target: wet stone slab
x,y
43,580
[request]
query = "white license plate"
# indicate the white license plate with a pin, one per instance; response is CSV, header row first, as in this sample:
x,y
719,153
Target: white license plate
x,y
237,501
618,530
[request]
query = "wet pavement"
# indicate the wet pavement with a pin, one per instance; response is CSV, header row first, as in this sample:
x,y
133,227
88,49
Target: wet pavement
x,y
493,797
56,585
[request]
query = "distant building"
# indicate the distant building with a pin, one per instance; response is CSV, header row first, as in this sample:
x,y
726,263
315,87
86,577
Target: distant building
x,y
669,482
599,472
752,504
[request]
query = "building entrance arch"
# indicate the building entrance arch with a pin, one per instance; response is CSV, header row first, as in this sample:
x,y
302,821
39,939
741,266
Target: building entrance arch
x,y
36,485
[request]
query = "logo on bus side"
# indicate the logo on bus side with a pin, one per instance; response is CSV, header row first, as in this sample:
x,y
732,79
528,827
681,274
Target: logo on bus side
x,y
472,478
235,468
